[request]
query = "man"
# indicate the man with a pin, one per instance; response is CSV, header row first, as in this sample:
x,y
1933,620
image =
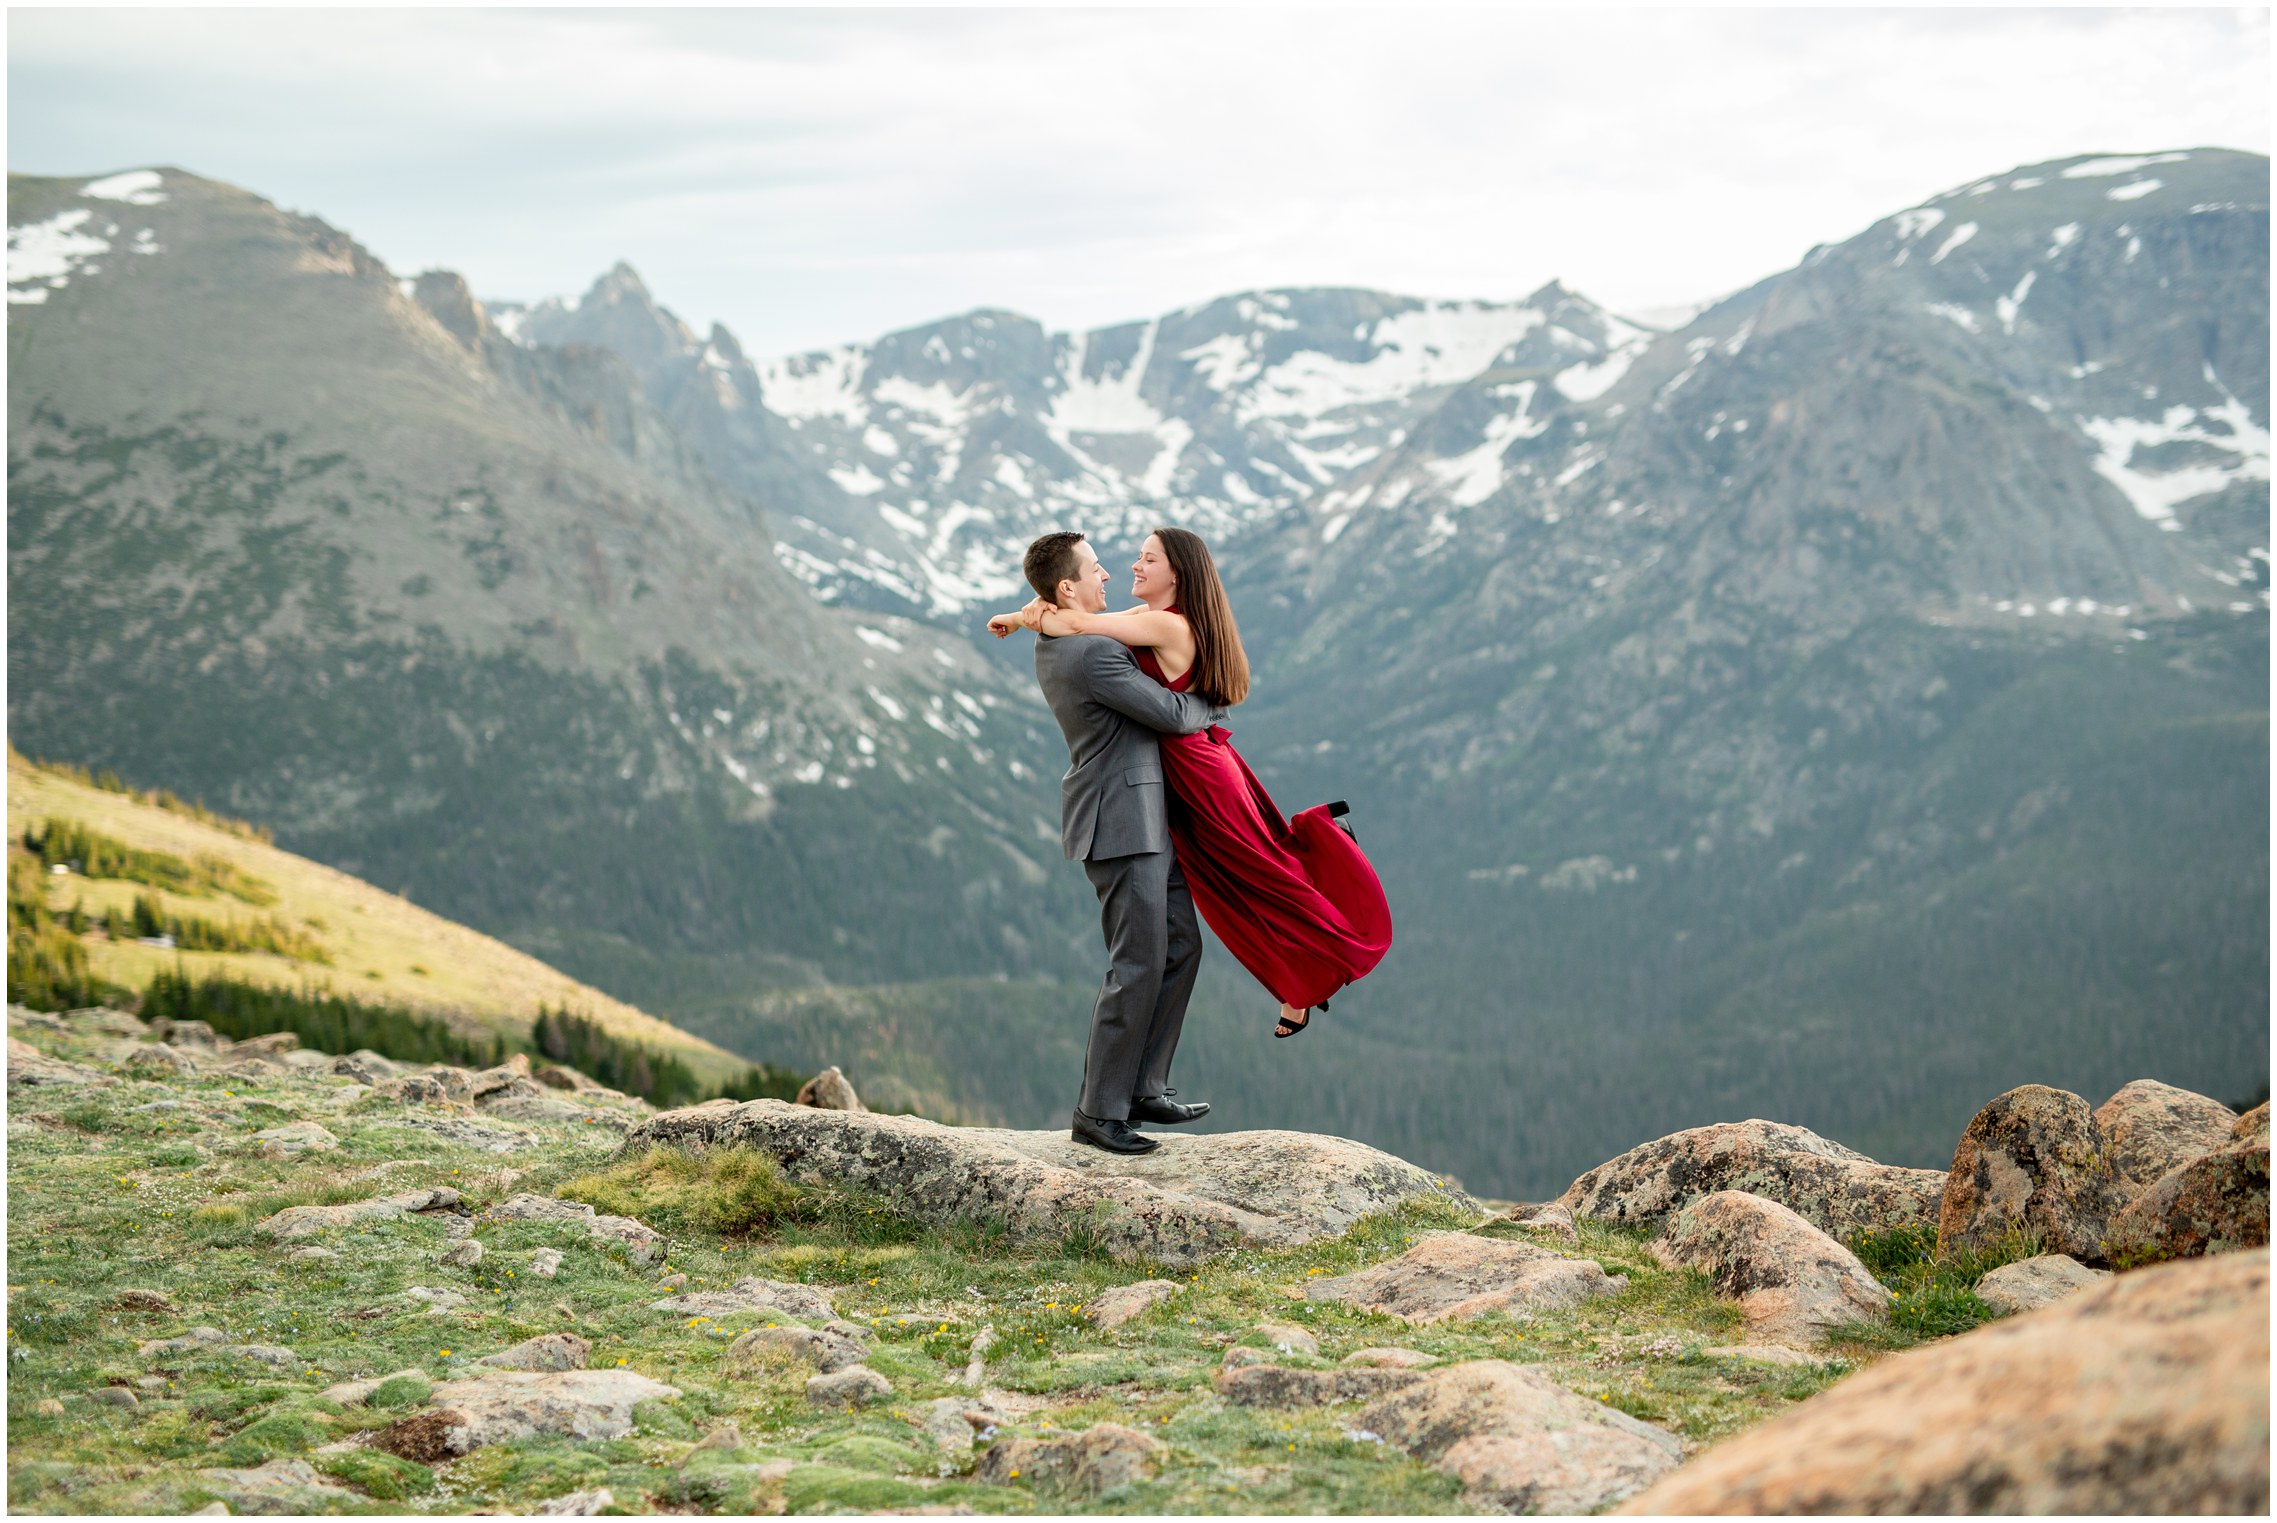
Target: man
x,y
1112,821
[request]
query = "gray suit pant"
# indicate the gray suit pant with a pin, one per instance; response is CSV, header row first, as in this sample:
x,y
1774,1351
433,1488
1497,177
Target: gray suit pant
x,y
1154,942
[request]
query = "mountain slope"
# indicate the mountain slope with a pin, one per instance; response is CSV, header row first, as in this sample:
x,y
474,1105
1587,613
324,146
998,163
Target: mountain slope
x,y
467,619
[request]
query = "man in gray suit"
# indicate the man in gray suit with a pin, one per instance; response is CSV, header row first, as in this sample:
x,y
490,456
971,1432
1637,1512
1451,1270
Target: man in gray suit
x,y
1112,821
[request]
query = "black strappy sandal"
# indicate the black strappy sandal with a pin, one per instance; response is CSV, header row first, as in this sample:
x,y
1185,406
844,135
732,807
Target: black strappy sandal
x,y
1305,1025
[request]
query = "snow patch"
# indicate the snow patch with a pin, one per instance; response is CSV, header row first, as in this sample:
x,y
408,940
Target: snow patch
x,y
1961,315
2132,192
137,187
1476,474
2090,168
2008,306
49,253
877,637
1961,235
821,385
2155,495
1912,224
857,479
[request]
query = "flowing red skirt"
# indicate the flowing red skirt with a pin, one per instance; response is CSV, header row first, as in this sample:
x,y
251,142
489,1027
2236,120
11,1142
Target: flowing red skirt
x,y
1295,900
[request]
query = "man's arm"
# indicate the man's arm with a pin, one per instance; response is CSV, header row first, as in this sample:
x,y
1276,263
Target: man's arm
x,y
1111,677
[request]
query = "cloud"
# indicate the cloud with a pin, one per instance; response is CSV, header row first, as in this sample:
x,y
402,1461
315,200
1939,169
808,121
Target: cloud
x,y
815,176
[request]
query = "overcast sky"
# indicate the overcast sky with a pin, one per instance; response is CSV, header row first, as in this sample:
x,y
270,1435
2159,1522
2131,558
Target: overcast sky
x,y
809,177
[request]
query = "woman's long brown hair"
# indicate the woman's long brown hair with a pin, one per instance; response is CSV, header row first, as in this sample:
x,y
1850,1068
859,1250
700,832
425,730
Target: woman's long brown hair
x,y
1221,667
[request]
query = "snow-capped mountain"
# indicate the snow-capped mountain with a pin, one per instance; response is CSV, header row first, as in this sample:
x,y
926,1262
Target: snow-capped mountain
x,y
933,455
2043,394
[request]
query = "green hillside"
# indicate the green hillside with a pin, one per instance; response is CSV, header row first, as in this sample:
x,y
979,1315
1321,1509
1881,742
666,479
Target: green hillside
x,y
350,938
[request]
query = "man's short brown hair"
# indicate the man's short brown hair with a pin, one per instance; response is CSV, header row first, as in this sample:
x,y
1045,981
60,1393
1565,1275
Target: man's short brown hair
x,y
1050,561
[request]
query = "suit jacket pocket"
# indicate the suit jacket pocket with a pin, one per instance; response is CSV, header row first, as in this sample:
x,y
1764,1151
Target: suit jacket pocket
x,y
1135,775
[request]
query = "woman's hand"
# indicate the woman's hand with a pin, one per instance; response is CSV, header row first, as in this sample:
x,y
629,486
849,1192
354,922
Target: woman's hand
x,y
1035,614
1003,624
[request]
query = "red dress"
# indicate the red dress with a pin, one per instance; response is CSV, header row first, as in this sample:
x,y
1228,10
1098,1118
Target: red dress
x,y
1294,901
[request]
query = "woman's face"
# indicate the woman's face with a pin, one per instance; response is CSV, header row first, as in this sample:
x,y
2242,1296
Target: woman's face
x,y
1151,581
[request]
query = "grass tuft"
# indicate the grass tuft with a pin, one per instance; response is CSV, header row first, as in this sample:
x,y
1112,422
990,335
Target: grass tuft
x,y
732,1192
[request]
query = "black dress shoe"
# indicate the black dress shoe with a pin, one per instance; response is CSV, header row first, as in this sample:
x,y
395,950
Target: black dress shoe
x,y
1164,1111
1114,1136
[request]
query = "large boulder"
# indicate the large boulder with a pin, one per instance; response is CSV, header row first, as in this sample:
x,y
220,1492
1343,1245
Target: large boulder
x,y
1838,1190
2148,1393
1448,1276
1191,1197
2254,1123
2149,1128
2033,1159
2215,1203
1519,1442
1791,1280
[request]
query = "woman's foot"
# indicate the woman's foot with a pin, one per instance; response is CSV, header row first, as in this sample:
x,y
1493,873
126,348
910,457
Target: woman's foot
x,y
1293,1021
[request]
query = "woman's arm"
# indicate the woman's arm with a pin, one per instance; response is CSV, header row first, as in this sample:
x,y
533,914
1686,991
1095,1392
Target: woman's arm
x,y
1140,627
1027,618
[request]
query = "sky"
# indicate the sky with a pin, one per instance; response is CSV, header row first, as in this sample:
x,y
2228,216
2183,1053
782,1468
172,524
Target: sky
x,y
813,177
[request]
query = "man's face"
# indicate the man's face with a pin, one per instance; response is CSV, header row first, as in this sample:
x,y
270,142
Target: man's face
x,y
1086,591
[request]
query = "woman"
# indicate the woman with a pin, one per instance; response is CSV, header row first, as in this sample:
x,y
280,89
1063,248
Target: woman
x,y
1295,901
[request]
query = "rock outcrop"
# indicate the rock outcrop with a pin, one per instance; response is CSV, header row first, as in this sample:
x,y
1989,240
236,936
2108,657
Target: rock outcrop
x,y
753,1294
829,1349
642,1244
501,1406
1452,1275
2149,1128
1838,1190
2146,1394
1519,1442
2215,1203
547,1351
279,1487
1551,1221
1792,1281
830,1090
1272,1385
2032,1160
297,1222
2042,1280
1112,1308
1100,1458
1191,1197
856,1385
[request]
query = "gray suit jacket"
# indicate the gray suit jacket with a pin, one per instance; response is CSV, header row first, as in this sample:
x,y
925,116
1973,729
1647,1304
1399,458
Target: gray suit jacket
x,y
1110,711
